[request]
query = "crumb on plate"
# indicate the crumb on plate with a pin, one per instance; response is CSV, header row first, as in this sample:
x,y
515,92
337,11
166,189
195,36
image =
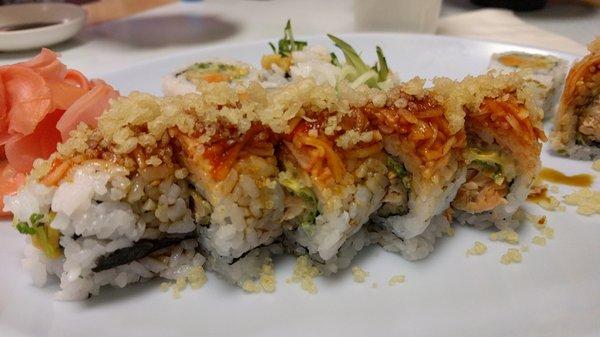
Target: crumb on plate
x,y
596,165
513,255
477,249
506,235
548,232
359,275
396,279
586,200
305,273
539,240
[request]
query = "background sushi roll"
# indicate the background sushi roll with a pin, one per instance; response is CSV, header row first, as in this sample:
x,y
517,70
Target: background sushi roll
x,y
186,80
425,140
504,134
544,75
577,124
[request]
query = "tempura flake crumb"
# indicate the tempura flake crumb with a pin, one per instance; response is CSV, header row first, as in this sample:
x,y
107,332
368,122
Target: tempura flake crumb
x,y
196,278
513,255
596,165
359,275
449,231
164,287
179,286
396,279
305,273
266,281
524,248
552,204
586,200
477,249
251,286
539,240
548,233
506,235
538,221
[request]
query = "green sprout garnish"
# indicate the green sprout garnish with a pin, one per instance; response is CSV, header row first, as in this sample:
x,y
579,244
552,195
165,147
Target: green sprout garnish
x,y
371,75
42,235
334,60
287,44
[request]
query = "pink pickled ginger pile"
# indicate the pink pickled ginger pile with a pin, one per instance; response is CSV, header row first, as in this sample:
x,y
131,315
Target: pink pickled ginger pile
x,y
41,101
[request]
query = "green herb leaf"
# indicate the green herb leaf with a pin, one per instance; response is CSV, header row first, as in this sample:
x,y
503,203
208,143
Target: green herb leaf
x,y
334,60
295,187
383,67
24,228
396,167
353,59
36,218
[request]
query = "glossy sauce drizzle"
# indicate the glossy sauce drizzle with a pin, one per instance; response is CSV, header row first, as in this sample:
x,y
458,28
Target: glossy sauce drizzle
x,y
554,176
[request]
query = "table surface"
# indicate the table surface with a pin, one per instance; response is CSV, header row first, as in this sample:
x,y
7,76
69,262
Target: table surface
x,y
184,26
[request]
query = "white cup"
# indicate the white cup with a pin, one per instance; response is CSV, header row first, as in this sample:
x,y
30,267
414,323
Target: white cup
x,y
420,16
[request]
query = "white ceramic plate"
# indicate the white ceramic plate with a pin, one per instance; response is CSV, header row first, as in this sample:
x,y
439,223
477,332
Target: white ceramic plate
x,y
68,19
555,291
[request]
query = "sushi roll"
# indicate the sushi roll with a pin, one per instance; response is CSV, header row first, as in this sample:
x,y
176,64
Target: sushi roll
x,y
577,124
234,171
335,175
424,139
504,135
544,75
186,80
109,209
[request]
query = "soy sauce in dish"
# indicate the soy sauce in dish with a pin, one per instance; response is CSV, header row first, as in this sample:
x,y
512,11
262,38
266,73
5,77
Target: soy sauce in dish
x,y
24,26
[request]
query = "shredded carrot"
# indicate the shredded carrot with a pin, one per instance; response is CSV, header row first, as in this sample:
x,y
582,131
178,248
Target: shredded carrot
x,y
57,172
422,130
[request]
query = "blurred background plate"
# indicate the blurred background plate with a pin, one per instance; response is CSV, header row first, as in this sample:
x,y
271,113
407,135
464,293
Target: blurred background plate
x,y
28,26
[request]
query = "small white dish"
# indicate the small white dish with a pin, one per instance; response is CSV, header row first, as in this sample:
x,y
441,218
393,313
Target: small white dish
x,y
29,26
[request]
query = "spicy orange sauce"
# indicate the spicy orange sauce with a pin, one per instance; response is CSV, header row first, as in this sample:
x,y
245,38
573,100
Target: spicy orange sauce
x,y
554,176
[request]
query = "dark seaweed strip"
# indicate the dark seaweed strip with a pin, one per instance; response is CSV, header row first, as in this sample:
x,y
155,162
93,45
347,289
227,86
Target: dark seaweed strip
x,y
138,251
236,259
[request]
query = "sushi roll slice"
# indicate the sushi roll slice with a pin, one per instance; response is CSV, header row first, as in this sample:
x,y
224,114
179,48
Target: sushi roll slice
x,y
544,75
425,140
504,135
577,124
108,209
334,172
186,80
234,171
